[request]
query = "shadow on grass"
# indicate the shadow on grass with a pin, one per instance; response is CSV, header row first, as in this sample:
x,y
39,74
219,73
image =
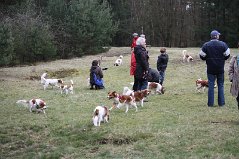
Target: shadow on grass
x,y
91,135
225,122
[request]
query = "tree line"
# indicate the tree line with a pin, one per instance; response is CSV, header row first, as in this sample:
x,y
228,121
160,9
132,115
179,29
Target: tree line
x,y
40,30
176,23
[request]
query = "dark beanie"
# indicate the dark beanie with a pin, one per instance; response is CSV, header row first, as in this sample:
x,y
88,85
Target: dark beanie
x,y
95,63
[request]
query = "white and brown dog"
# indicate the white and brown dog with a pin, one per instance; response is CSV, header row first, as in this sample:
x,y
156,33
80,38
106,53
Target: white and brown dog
x,y
67,88
101,114
186,56
156,88
201,84
122,100
37,105
119,61
51,82
138,96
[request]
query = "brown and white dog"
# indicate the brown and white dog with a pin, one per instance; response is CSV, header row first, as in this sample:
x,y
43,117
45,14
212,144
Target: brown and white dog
x,y
119,61
67,88
101,114
201,84
122,100
186,56
37,105
156,88
138,95
51,82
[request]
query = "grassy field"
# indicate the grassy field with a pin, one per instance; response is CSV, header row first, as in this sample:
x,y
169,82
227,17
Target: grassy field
x,y
177,124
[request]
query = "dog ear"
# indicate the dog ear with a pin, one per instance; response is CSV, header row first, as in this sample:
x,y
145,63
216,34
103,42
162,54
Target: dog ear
x,y
33,101
42,104
96,112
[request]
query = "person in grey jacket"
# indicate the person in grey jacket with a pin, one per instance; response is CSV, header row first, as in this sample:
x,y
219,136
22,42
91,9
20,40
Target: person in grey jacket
x,y
233,73
215,53
153,75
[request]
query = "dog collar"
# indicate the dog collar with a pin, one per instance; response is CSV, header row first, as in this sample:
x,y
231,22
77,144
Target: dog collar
x,y
37,106
115,102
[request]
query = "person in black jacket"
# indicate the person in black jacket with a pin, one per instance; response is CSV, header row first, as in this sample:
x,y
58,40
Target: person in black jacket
x,y
162,63
96,76
215,52
153,75
142,65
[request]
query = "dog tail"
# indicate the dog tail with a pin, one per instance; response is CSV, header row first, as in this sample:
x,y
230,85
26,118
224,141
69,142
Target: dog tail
x,y
125,90
72,82
23,102
43,79
43,75
184,52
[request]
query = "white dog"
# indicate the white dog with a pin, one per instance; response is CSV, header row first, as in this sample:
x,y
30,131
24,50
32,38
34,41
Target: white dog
x,y
101,114
37,105
67,88
119,61
52,82
186,56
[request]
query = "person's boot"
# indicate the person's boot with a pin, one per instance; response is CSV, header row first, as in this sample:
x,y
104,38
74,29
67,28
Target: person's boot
x,y
97,87
91,87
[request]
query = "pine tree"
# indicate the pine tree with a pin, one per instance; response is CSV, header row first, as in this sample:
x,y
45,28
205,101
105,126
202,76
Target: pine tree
x,y
7,55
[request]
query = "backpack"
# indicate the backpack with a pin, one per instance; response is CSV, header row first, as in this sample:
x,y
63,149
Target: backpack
x,y
98,81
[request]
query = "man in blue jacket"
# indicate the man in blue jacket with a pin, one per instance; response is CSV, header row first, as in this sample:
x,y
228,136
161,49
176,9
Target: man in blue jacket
x,y
215,53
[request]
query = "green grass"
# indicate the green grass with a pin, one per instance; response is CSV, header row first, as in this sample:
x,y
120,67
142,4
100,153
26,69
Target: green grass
x,y
177,124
